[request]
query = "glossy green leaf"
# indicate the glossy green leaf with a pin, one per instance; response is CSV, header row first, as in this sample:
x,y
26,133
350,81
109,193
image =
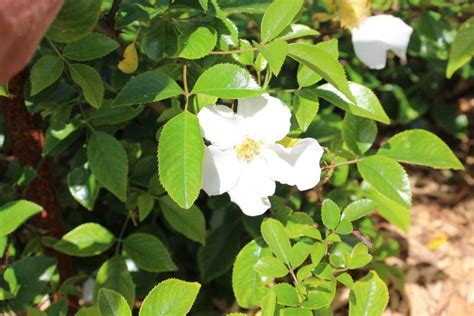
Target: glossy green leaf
x,y
276,238
28,278
75,20
145,204
15,213
83,186
324,271
246,282
296,31
345,279
306,106
422,148
170,297
93,46
45,72
278,16
249,6
227,81
86,240
330,214
112,303
295,311
269,303
88,79
320,293
305,75
180,155
358,133
300,252
108,115
275,53
358,209
114,275
369,296
148,87
286,294
271,267
326,65
89,311
365,103
462,48
191,223
109,163
359,257
222,246
318,252
387,177
344,227
196,42
160,40
148,252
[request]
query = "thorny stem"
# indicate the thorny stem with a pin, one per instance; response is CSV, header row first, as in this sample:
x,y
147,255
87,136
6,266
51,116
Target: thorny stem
x,y
235,51
185,83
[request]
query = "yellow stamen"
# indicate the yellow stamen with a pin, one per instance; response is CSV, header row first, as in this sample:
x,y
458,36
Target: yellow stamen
x,y
248,150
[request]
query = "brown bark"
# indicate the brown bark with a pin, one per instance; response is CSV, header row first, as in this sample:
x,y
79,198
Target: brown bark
x,y
27,140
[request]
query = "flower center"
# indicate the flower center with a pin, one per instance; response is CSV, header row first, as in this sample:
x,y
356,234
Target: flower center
x,y
248,150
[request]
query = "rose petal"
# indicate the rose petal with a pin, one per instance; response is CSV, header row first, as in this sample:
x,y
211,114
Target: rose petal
x,y
221,126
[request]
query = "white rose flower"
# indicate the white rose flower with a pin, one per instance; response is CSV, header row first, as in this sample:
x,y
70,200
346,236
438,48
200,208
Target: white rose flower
x,y
244,159
375,35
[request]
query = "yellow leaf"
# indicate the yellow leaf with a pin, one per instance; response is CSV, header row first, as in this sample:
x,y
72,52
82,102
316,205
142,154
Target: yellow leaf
x,y
288,142
129,62
437,241
352,12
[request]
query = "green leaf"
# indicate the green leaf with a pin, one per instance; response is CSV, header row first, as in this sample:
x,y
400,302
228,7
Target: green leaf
x,y
89,311
86,240
396,213
286,294
387,177
45,72
345,279
222,246
145,205
88,79
30,311
191,223
75,20
276,238
204,4
330,214
160,40
196,41
324,271
278,16
227,81
170,297
359,257
112,303
326,65
15,213
358,133
358,209
344,227
422,148
114,275
109,163
180,155
299,253
275,53
28,278
368,296
296,31
295,311
246,282
249,6
148,252
4,294
306,76
83,186
269,304
91,47
318,252
365,102
147,87
306,107
320,293
462,48
271,267
108,115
